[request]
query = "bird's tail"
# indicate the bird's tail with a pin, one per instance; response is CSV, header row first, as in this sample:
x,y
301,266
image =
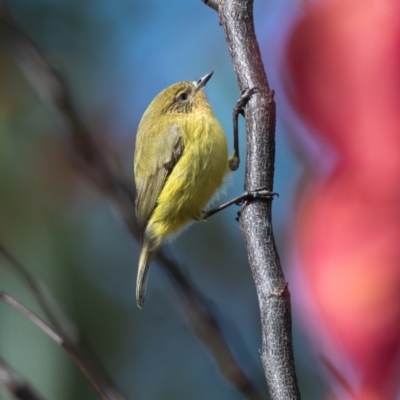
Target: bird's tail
x,y
147,254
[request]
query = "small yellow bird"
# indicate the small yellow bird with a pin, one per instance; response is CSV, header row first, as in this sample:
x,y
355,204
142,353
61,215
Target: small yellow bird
x,y
181,158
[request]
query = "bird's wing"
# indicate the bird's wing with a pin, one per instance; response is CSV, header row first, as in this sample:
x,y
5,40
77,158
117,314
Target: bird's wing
x,y
152,170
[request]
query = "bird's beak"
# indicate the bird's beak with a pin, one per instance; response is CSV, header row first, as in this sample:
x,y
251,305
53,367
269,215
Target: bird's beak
x,y
202,81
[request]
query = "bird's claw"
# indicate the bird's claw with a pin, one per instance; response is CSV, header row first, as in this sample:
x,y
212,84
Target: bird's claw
x,y
244,99
256,194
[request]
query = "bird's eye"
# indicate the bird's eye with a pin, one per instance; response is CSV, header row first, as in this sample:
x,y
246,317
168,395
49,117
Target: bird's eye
x,y
183,96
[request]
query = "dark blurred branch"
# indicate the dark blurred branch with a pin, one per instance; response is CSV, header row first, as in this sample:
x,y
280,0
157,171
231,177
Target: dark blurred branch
x,y
33,317
16,385
89,158
68,334
236,18
66,344
338,376
201,317
60,321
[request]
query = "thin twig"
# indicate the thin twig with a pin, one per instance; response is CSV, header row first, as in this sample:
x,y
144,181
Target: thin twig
x,y
61,322
15,384
66,328
338,376
69,347
89,158
32,316
201,317
236,18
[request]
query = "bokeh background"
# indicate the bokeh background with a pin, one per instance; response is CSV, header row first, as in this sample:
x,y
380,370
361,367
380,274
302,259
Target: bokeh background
x,y
117,55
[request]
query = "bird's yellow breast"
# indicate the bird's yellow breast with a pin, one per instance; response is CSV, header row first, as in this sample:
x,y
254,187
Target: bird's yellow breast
x,y
196,176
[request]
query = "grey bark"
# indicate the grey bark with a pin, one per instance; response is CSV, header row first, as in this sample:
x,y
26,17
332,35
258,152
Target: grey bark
x,y
236,18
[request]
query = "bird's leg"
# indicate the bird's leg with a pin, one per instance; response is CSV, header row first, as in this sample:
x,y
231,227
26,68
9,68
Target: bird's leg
x,y
257,194
234,159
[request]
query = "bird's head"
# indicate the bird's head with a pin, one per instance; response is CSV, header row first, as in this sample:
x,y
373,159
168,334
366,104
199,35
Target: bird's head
x,y
183,98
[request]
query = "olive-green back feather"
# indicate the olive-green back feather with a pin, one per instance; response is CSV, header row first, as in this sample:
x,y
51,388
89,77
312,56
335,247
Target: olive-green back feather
x,y
153,166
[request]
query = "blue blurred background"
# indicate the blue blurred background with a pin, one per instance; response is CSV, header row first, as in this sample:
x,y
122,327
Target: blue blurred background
x,y
117,55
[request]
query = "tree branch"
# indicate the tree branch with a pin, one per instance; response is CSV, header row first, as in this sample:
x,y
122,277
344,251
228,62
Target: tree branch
x,y
18,386
68,333
104,392
236,18
201,317
60,321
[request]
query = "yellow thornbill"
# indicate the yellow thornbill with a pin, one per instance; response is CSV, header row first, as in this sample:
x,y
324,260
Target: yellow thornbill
x,y
180,161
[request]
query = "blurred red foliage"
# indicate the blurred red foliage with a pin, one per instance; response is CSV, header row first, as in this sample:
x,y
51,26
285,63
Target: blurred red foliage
x,y
343,59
